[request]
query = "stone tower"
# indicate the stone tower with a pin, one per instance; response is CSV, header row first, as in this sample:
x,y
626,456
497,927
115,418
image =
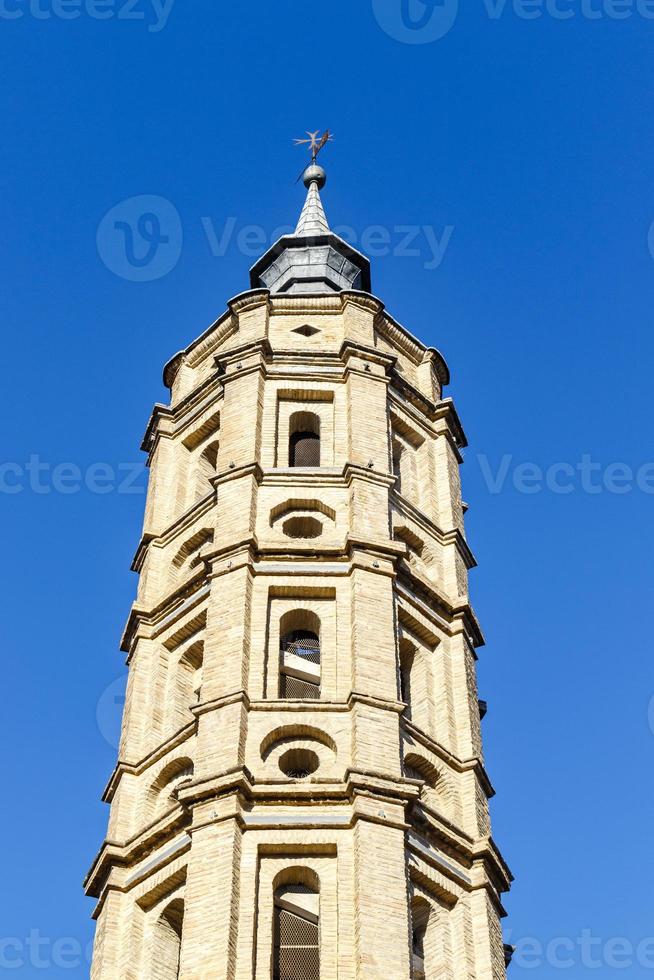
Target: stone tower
x,y
300,791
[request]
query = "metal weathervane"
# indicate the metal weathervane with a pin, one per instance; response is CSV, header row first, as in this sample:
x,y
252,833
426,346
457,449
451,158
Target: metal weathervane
x,y
315,142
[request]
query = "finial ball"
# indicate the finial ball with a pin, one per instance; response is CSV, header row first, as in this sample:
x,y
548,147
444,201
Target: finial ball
x,y
314,174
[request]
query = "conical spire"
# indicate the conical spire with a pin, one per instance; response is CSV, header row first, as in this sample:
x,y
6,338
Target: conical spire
x,y
313,220
313,259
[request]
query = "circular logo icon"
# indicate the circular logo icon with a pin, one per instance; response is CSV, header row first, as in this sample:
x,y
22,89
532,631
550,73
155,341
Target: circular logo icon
x,y
416,21
141,238
650,239
109,712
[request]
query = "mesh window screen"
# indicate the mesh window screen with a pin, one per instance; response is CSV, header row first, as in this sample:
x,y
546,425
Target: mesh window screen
x,y
302,643
305,449
297,952
306,645
293,687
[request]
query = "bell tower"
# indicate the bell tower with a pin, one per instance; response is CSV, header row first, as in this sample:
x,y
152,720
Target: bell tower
x,y
300,791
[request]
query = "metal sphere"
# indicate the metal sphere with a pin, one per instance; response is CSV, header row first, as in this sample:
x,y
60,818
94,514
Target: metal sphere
x,y
314,174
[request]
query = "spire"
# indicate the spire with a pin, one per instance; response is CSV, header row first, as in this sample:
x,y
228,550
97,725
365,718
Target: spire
x,y
313,259
313,220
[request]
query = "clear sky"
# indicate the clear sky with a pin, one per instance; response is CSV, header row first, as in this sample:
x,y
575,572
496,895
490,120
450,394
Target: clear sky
x,y
496,161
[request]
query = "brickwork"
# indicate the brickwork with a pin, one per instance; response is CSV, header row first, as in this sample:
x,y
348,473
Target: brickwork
x,y
393,816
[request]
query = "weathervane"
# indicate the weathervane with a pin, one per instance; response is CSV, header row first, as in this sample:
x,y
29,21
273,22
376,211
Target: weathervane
x,y
315,142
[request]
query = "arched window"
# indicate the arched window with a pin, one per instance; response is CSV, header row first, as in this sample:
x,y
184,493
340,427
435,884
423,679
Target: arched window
x,y
304,439
296,932
299,655
420,913
417,767
188,683
404,458
407,656
207,464
189,554
162,795
397,464
168,942
416,683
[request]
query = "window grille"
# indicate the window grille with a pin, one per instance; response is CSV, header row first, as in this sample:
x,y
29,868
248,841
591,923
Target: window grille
x,y
293,689
305,449
302,527
297,942
294,683
303,643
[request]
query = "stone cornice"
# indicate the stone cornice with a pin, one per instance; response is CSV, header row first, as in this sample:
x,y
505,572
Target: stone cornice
x,y
113,854
478,863
185,520
197,350
413,396
141,552
396,707
487,850
159,412
311,304
252,299
192,405
413,348
438,607
446,410
454,536
227,358
210,340
162,615
473,764
329,303
371,355
356,552
136,768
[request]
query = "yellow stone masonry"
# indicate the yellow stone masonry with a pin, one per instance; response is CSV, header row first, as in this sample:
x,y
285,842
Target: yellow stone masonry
x,y
300,791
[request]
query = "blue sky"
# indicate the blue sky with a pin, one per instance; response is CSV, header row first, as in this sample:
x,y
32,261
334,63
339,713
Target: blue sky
x,y
516,150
